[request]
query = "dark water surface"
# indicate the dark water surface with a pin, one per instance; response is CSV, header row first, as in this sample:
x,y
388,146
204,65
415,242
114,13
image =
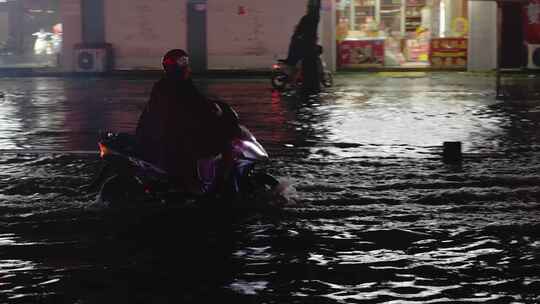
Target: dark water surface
x,y
378,217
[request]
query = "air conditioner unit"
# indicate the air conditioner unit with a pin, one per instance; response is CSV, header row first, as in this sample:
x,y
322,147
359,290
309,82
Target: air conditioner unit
x,y
534,56
92,59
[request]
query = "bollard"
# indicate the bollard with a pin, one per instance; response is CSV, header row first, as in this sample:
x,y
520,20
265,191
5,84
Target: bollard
x,y
452,152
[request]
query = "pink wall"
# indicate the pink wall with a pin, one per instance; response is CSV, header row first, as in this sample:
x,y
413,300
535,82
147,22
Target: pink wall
x,y
250,34
241,34
141,31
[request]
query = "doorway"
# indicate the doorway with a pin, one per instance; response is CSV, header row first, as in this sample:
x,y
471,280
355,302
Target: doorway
x,y
513,53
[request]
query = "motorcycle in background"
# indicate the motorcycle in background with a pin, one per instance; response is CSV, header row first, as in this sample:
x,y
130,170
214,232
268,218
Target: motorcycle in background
x,y
281,77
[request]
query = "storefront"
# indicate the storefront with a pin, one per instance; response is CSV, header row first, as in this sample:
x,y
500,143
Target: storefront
x,y
252,35
30,33
402,33
518,49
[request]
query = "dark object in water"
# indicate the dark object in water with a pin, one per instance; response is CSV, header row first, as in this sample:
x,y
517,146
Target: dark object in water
x,y
452,152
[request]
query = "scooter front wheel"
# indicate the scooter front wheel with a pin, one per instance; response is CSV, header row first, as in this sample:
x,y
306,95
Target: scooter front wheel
x,y
254,183
265,181
269,194
279,81
327,79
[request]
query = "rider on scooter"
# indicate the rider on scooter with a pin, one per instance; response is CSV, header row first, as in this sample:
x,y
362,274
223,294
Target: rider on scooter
x,y
301,45
180,126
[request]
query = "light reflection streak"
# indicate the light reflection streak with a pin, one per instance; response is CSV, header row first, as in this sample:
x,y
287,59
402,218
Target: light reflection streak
x,y
413,298
8,124
37,108
9,266
11,239
447,300
448,260
248,288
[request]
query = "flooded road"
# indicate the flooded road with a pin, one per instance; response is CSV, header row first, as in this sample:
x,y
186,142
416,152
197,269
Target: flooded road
x,y
378,217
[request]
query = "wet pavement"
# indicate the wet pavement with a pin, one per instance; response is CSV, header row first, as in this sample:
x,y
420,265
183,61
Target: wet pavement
x,y
377,218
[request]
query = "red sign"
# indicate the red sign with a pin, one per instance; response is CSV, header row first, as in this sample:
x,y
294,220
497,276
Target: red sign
x,y
448,52
242,11
531,21
361,53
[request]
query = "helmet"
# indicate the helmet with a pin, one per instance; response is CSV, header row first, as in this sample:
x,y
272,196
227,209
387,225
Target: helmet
x,y
176,64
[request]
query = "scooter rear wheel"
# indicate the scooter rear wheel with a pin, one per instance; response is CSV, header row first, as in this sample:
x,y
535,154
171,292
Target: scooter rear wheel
x,y
279,81
121,191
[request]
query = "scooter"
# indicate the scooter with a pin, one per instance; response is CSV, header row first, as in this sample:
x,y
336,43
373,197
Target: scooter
x,y
281,75
127,180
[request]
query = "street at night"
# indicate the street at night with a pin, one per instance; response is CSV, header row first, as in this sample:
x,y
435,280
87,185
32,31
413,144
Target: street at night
x,y
373,214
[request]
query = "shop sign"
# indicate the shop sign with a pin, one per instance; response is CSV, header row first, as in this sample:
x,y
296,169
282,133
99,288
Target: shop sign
x,y
448,52
460,26
532,21
361,53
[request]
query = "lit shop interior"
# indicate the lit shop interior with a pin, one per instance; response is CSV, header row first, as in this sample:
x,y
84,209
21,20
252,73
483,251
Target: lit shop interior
x,y
402,33
30,33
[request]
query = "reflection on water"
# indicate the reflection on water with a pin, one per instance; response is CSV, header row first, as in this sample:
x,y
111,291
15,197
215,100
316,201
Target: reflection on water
x,y
413,122
379,219
45,113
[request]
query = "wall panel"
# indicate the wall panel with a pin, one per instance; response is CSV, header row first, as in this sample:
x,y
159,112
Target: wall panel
x,y
250,34
141,31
